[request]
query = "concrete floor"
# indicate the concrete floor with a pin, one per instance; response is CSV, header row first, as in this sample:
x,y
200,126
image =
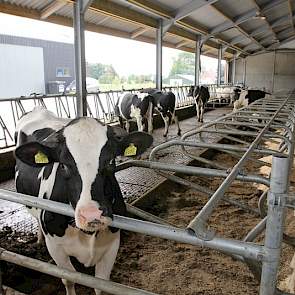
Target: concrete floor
x,y
134,181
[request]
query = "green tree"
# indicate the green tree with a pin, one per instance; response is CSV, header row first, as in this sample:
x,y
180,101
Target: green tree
x,y
103,73
183,64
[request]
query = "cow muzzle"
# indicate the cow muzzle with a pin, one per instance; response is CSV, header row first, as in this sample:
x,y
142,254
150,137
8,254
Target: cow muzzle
x,y
91,218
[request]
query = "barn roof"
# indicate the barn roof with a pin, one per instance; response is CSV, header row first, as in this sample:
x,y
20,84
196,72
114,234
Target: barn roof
x,y
243,26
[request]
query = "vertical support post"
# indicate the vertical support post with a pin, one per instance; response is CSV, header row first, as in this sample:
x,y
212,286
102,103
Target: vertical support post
x,y
233,73
219,65
159,41
197,61
244,72
275,222
80,62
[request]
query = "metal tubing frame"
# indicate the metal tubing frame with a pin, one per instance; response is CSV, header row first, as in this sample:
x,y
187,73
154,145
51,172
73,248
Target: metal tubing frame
x,y
197,61
219,65
233,76
199,223
76,277
277,197
268,254
80,61
159,41
247,250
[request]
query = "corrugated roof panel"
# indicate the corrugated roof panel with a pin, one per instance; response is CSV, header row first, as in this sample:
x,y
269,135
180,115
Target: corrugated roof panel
x,y
234,8
66,11
253,24
230,34
278,11
208,17
119,25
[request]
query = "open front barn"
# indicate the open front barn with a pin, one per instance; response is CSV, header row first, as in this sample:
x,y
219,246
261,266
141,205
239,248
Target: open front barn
x,y
175,187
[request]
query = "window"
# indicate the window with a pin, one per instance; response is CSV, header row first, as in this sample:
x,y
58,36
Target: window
x,y
63,72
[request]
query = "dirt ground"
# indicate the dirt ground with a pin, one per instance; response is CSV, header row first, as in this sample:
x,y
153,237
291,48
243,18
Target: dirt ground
x,y
167,267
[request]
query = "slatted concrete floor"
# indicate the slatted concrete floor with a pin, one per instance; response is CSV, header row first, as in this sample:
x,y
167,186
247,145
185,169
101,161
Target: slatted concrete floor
x,y
134,181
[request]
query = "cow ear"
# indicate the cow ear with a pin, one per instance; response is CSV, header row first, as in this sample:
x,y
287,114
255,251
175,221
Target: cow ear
x,y
134,144
35,154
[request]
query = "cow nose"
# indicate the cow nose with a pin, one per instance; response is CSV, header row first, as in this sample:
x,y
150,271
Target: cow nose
x,y
90,214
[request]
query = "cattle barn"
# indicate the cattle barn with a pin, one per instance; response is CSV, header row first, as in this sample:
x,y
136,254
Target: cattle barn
x,y
175,203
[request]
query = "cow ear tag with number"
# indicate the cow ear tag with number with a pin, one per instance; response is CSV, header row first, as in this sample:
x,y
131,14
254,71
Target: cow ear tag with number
x,y
130,150
41,158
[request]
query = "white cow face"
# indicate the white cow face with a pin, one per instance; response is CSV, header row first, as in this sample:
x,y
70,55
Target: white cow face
x,y
85,150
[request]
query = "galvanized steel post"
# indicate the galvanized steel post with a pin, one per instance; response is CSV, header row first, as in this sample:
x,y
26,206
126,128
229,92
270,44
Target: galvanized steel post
x,y
244,72
275,222
233,76
159,41
80,63
198,61
219,65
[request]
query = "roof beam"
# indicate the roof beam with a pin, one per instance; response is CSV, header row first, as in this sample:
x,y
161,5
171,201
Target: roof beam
x,y
186,24
286,33
138,32
278,22
235,23
291,14
52,8
272,4
245,16
237,39
267,22
181,43
185,11
249,46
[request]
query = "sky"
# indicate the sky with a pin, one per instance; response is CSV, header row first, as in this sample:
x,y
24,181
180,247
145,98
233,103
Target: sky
x,y
127,56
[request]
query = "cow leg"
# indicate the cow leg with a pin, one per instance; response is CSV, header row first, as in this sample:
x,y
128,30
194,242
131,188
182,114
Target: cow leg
x,y
177,123
40,235
201,111
127,126
166,122
139,123
198,111
104,267
62,260
150,119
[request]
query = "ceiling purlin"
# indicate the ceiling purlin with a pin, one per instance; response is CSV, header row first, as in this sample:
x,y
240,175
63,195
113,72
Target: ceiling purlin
x,y
267,22
185,11
236,22
184,23
291,15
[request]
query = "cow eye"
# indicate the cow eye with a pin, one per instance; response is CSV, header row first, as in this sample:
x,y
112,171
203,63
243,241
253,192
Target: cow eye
x,y
65,170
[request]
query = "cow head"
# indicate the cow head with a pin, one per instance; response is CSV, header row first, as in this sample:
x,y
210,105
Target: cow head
x,y
85,150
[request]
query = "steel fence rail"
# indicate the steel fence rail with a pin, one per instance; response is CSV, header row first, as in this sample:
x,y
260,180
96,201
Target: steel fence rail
x,y
279,116
248,250
76,277
100,105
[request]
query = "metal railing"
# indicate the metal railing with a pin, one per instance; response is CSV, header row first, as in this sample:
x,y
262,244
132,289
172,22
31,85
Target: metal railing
x,y
100,105
278,116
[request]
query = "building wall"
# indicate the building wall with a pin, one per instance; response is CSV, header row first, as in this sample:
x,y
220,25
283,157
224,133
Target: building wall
x,y
273,71
56,55
21,70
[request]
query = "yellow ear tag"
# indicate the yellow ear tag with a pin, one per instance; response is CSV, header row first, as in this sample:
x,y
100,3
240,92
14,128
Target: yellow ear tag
x,y
130,150
41,158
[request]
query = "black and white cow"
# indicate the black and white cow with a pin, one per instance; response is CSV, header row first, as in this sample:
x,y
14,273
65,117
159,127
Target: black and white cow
x,y
201,96
165,103
72,162
247,97
135,106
